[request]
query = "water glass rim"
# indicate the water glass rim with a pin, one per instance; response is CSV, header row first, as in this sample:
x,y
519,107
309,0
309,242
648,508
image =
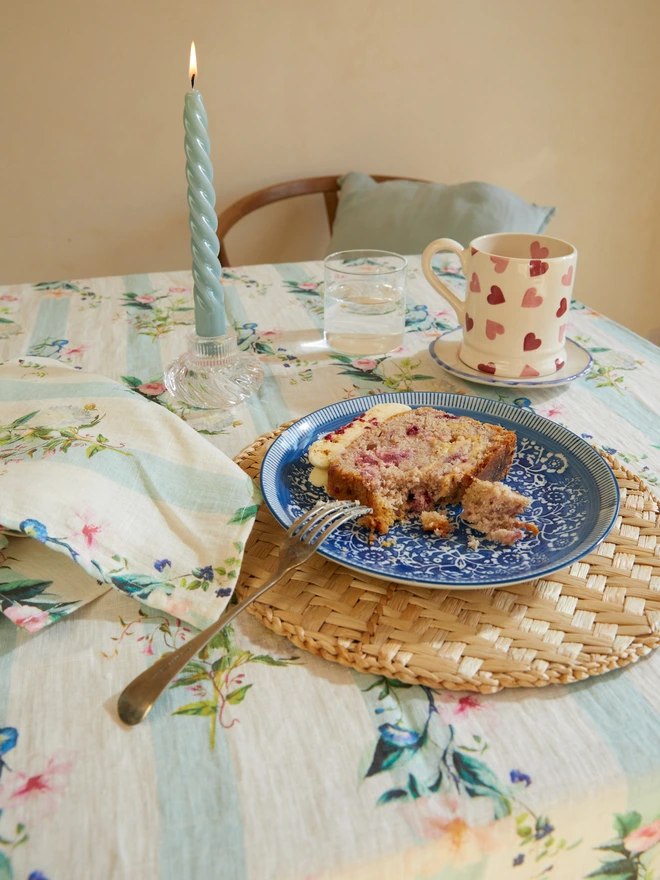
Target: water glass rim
x,y
366,253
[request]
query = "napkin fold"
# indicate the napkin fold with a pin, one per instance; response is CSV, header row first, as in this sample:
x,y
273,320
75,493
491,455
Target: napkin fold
x,y
123,487
39,587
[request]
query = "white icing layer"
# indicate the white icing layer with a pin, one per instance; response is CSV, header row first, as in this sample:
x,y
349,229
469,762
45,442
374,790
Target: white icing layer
x,y
324,451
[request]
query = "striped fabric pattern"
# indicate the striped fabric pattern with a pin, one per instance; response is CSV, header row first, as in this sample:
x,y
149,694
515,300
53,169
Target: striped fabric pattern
x,y
262,762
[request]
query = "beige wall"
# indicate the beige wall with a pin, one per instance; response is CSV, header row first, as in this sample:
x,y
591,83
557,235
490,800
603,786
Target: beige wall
x,y
557,101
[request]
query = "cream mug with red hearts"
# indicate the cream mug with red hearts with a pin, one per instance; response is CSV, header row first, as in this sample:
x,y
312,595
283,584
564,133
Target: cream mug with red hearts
x,y
518,295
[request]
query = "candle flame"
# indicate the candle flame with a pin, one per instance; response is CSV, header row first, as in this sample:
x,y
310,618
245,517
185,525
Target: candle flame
x,y
192,70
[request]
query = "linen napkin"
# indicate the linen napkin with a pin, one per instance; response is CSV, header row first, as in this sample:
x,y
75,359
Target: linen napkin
x,y
121,486
39,587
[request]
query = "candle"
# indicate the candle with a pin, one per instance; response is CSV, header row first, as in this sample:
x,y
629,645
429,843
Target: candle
x,y
208,294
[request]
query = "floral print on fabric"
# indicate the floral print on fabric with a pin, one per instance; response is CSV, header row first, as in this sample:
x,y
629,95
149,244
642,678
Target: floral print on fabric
x,y
154,389
632,851
58,429
215,680
26,797
383,372
27,601
8,325
251,286
609,367
155,315
263,343
87,298
59,349
443,775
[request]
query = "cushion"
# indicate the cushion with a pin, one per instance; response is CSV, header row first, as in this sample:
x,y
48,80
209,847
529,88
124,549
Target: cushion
x,y
404,216
121,486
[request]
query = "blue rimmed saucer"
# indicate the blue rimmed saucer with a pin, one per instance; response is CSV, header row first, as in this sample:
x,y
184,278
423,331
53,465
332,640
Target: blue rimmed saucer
x,y
444,350
575,500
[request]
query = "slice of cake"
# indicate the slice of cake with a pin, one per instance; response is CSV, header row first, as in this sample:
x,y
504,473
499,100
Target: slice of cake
x,y
416,460
493,508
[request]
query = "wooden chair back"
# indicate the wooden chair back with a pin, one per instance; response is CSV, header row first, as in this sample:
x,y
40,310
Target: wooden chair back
x,y
329,186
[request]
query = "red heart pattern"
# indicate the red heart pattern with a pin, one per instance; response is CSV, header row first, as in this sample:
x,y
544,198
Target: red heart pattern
x,y
469,322
487,368
493,329
558,364
568,277
563,305
500,264
562,332
531,300
537,267
537,252
495,297
528,372
474,251
475,287
531,342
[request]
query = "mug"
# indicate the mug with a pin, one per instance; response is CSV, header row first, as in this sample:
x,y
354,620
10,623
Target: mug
x,y
517,299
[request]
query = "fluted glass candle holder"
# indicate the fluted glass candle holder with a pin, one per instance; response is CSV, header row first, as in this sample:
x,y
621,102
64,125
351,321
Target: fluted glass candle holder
x,y
213,374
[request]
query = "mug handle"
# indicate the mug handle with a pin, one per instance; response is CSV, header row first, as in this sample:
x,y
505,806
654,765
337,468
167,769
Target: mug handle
x,y
446,244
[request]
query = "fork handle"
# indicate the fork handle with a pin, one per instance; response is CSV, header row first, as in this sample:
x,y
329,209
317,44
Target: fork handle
x,y
139,696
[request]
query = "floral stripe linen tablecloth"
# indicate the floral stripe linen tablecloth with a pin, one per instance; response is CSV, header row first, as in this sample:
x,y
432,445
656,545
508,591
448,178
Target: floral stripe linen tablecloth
x,y
266,763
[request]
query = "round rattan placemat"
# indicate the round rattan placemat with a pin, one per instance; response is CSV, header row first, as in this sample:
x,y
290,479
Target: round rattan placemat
x,y
600,613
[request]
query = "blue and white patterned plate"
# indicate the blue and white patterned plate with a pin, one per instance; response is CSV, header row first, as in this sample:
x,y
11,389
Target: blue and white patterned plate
x,y
575,500
444,351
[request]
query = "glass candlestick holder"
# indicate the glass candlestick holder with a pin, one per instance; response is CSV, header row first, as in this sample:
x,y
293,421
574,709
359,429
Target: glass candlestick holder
x,y
213,374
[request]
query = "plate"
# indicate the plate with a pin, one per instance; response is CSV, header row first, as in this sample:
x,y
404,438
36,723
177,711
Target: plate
x,y
575,500
444,350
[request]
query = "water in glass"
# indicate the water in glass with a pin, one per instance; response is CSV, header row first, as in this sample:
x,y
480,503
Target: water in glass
x,y
364,319
365,302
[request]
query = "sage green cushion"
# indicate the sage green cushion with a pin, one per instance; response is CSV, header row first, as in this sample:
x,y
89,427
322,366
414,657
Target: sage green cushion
x,y
404,216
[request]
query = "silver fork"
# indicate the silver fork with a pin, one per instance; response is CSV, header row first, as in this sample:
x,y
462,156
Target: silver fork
x,y
306,534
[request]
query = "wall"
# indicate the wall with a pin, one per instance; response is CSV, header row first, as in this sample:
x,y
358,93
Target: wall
x,y
559,102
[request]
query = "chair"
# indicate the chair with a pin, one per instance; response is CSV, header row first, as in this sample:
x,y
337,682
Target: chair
x,y
329,186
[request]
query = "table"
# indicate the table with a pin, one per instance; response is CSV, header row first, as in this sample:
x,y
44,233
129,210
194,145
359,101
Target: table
x,y
281,781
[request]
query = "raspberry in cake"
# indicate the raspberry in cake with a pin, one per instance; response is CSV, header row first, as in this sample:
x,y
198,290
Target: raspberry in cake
x,y
416,460
493,508
327,449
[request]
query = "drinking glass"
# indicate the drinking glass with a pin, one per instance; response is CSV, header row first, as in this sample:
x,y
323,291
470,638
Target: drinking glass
x,y
364,301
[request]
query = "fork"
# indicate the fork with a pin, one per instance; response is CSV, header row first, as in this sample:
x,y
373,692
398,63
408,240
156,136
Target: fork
x,y
307,533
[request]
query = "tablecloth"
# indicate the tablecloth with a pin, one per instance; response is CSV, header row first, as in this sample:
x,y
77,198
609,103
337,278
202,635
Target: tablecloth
x,y
264,762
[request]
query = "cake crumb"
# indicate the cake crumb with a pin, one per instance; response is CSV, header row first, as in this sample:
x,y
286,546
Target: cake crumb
x,y
437,522
473,543
493,508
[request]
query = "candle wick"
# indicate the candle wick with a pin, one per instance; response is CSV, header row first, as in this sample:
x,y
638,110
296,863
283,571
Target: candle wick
x,y
192,81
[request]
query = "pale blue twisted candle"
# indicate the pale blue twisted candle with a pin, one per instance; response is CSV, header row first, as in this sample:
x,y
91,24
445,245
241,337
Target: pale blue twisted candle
x,y
206,269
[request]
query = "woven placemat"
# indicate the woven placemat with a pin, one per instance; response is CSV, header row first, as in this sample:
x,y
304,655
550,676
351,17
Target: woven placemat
x,y
600,613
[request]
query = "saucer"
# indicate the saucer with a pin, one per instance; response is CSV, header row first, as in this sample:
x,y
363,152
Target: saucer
x,y
444,350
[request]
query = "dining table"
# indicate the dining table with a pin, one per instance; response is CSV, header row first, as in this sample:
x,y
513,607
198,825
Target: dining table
x,y
270,762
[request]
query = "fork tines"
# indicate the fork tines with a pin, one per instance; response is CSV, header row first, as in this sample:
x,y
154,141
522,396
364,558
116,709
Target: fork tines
x,y
317,523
